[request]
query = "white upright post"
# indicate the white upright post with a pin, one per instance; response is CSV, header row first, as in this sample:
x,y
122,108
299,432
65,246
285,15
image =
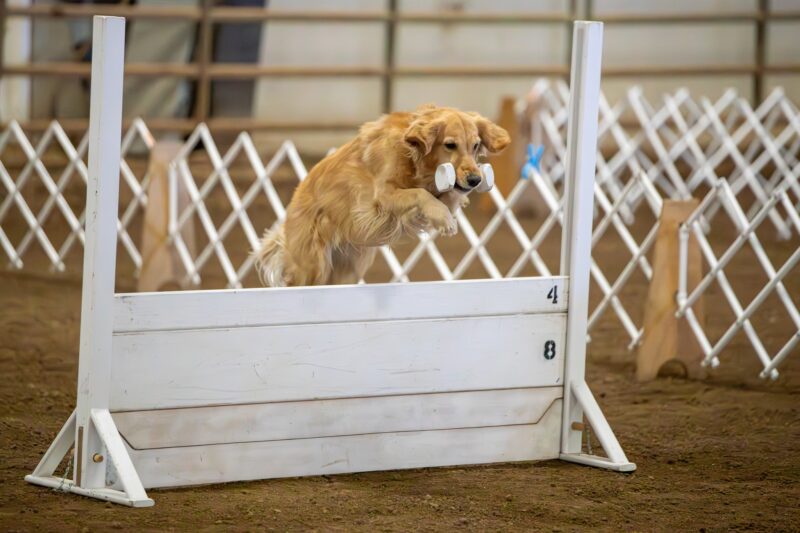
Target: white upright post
x,y
576,244
100,252
101,461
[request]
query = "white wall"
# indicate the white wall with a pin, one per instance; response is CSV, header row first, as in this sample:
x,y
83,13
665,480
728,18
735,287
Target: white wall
x,y
15,90
361,44
348,99
146,40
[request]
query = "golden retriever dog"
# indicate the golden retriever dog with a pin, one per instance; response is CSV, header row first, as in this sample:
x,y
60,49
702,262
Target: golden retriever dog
x,y
372,191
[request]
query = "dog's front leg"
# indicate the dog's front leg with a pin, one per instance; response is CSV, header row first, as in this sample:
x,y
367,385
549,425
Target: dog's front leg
x,y
454,200
405,211
420,210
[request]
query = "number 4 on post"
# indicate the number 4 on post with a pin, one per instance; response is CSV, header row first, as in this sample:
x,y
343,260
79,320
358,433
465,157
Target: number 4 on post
x,y
553,294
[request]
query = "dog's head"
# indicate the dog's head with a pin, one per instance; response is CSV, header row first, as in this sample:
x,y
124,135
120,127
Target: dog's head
x,y
439,135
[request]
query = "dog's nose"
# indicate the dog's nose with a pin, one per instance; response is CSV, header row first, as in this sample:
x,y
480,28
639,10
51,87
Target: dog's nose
x,y
473,180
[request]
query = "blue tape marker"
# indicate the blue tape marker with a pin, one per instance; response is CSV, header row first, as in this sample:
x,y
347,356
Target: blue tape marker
x,y
534,160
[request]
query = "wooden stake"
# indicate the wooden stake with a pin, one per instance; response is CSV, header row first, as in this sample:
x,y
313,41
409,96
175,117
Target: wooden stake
x,y
667,338
508,164
161,266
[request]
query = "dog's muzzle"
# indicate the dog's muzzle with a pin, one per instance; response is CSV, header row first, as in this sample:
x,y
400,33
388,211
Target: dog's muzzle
x,y
446,179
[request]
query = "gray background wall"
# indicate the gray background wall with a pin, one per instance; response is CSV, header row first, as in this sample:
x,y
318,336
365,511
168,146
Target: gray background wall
x,y
343,99
361,44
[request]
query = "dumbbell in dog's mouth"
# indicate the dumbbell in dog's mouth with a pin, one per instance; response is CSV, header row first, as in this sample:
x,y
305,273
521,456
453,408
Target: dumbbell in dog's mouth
x,y
481,181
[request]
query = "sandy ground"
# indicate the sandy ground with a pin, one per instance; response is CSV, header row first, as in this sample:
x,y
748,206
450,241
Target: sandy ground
x,y
717,455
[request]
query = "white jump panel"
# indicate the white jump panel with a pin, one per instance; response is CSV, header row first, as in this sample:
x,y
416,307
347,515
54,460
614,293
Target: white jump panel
x,y
169,428
193,465
314,305
201,367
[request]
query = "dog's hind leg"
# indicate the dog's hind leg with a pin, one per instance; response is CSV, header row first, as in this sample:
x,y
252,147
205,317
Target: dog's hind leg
x,y
350,265
269,257
364,260
308,261
343,272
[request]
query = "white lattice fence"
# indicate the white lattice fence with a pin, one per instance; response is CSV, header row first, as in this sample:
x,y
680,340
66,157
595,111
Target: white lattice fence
x,y
699,136
219,181
746,160
773,298
51,209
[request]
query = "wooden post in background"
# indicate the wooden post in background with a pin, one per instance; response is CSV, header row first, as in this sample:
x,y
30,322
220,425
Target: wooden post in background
x,y
667,338
508,163
161,266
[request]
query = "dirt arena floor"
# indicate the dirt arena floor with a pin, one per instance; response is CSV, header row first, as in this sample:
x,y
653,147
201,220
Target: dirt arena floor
x,y
718,455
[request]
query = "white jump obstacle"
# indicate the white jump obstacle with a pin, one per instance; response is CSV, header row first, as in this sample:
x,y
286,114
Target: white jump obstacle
x,y
183,388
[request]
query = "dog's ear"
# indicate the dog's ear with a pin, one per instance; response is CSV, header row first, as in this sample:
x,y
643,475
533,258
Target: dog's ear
x,y
422,134
493,137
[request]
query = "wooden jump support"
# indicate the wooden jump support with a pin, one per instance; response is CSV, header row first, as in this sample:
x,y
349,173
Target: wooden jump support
x,y
183,388
666,337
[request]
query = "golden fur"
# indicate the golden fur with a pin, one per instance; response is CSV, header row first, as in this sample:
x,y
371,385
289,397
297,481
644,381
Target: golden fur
x,y
372,191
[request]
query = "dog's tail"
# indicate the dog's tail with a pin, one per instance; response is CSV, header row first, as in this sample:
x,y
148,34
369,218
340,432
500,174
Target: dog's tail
x,y
269,257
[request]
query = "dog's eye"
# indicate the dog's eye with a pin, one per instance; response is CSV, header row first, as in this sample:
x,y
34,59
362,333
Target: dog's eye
x,y
475,148
450,145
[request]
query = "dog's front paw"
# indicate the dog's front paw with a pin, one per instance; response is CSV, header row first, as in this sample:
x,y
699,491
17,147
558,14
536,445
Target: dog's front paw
x,y
450,229
440,219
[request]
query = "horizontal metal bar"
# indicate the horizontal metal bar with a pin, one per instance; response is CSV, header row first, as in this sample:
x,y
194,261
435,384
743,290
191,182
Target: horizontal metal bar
x,y
189,70
80,125
482,18
686,18
89,10
249,14
699,70
249,71
544,70
83,70
221,124
781,68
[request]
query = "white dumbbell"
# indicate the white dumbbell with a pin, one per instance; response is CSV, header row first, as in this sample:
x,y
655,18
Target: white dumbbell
x,y
446,178
487,183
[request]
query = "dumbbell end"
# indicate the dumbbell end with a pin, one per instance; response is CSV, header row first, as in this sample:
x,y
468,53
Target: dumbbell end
x,y
487,183
445,177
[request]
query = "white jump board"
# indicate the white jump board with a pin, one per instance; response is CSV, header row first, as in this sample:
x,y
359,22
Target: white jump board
x,y
138,312
170,428
212,348
203,464
308,381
